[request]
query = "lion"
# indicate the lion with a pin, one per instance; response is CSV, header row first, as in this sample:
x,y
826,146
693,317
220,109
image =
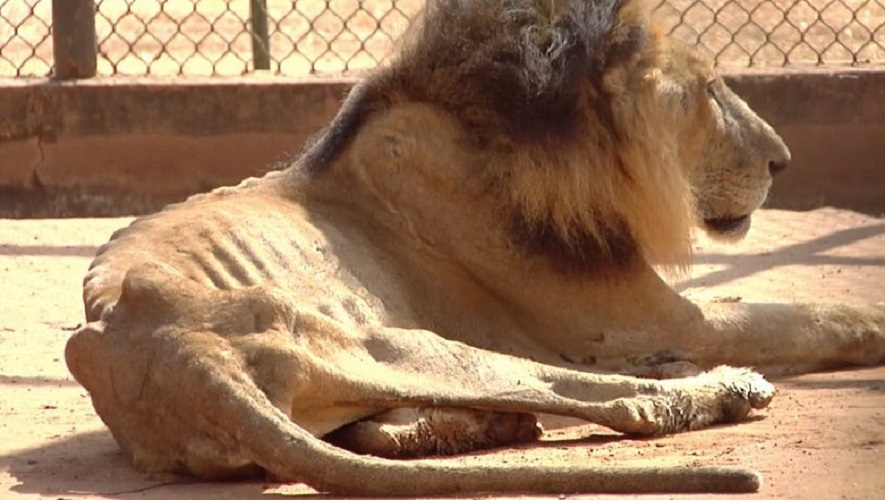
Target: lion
x,y
471,242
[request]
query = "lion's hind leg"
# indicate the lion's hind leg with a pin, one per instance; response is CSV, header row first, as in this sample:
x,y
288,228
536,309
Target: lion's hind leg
x,y
428,431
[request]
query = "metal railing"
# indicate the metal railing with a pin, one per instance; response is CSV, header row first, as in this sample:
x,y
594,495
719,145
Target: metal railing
x,y
308,37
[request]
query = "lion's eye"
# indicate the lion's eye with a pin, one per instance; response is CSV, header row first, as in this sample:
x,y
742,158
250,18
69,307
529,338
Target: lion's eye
x,y
711,92
711,88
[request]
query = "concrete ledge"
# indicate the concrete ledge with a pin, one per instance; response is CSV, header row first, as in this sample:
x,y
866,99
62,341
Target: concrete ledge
x,y
110,146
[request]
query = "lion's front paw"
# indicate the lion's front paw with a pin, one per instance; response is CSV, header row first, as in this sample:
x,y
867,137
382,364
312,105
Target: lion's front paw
x,y
724,394
727,394
749,385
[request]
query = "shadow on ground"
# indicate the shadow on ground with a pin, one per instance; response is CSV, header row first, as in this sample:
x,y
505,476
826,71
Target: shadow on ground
x,y
807,253
92,463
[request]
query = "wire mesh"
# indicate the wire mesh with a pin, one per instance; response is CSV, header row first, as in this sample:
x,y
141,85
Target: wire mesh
x,y
781,32
213,37
316,37
25,42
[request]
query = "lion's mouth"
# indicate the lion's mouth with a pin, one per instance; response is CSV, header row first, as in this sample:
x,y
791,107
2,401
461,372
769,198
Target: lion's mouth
x,y
728,225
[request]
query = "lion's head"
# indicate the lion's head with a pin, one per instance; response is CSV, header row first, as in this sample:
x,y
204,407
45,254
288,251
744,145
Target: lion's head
x,y
730,153
602,139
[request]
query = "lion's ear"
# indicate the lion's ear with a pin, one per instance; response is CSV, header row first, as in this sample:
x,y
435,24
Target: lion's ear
x,y
553,60
570,47
587,37
564,54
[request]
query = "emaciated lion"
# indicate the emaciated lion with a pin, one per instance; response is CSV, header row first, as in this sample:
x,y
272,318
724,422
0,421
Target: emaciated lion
x,y
469,243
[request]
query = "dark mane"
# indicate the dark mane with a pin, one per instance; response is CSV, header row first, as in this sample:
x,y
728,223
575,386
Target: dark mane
x,y
521,70
518,67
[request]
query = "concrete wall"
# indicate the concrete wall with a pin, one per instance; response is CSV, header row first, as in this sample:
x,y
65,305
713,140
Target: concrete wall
x,y
127,146
834,124
104,146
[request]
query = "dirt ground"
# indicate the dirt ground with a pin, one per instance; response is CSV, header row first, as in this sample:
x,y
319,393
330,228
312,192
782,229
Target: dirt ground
x,y
823,437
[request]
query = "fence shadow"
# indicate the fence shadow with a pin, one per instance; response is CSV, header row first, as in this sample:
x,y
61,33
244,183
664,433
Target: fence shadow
x,y
808,253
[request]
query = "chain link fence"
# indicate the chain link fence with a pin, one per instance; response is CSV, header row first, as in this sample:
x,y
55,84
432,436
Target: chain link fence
x,y
212,37
25,42
313,37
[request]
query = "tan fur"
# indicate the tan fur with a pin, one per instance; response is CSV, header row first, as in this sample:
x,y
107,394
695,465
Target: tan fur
x,y
589,185
419,432
500,192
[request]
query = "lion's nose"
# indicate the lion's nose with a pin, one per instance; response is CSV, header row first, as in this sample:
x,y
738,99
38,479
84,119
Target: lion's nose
x,y
777,166
779,155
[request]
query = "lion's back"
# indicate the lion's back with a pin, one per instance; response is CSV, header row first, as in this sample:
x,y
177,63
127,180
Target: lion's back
x,y
233,241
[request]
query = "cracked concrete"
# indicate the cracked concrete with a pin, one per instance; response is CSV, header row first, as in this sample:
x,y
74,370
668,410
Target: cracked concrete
x,y
20,160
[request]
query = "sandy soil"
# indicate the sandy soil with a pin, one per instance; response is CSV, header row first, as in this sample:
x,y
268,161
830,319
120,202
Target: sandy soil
x,y
823,436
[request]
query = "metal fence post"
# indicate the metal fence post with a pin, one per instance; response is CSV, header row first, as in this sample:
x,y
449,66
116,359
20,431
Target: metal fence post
x,y
260,39
73,38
